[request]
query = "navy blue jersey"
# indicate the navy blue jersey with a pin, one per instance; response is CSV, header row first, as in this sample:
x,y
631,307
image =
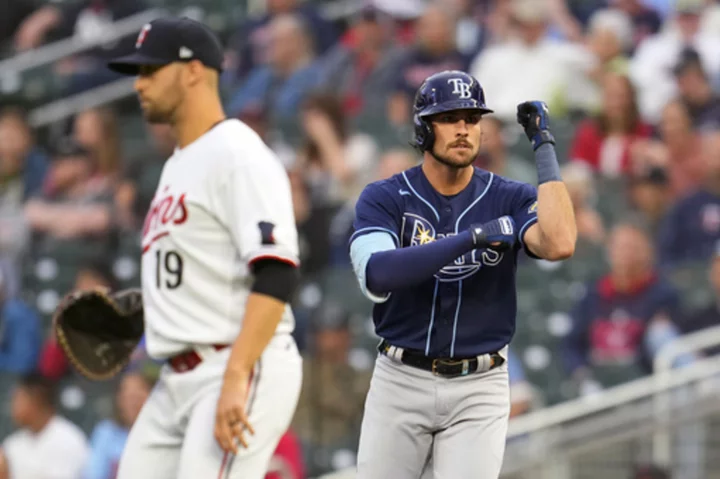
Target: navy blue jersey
x,y
691,229
468,308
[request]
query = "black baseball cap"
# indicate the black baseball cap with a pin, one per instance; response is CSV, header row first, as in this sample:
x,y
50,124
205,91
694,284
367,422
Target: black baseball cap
x,y
167,40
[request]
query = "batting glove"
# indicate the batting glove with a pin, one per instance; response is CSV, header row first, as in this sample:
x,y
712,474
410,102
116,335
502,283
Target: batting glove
x,y
534,117
498,234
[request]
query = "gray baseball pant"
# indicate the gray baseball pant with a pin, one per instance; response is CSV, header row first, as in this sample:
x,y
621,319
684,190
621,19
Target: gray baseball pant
x,y
412,415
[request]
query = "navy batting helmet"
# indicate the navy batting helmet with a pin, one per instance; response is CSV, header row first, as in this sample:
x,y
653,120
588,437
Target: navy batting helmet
x,y
441,92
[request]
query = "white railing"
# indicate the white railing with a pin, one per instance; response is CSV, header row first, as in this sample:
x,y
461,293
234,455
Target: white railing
x,y
643,388
662,366
57,110
73,45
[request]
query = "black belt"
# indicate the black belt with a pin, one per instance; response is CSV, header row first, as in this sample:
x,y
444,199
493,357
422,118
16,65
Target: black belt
x,y
445,367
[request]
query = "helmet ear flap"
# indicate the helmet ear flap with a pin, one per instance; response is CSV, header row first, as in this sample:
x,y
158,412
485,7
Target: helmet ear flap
x,y
424,135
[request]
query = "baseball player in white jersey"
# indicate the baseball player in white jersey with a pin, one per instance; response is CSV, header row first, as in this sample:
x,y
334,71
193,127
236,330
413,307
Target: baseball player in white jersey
x,y
219,264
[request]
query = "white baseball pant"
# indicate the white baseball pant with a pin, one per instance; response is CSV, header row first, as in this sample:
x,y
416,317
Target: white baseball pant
x,y
173,435
412,416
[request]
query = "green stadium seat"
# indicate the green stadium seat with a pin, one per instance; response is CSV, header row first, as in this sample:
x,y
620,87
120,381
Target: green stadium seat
x,y
692,282
86,402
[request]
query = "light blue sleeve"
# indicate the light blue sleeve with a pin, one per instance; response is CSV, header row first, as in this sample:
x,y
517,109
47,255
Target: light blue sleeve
x,y
361,249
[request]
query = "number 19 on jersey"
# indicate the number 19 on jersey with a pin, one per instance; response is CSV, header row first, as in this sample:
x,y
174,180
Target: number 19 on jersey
x,y
168,269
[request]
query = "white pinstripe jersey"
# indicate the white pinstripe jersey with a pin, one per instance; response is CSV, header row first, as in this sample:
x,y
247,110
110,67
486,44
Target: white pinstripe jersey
x,y
222,202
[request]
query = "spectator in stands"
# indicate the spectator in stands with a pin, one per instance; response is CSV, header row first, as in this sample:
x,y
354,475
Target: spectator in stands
x,y
697,93
279,85
646,21
86,20
19,333
609,39
494,155
109,436
139,181
522,393
392,162
97,131
19,156
47,446
685,166
710,316
652,65
72,205
604,141
287,460
610,322
649,189
22,171
13,14
578,179
434,50
553,70
53,363
361,70
471,32
332,166
334,160
250,46
333,393
692,227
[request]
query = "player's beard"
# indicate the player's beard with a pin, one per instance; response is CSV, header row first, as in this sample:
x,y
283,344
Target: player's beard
x,y
165,111
157,114
455,162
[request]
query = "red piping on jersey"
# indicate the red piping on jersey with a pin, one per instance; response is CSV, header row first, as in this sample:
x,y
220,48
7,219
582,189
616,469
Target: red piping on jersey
x,y
222,466
154,239
276,258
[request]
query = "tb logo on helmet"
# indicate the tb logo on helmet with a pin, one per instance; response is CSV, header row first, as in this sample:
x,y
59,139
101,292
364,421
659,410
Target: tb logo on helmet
x,y
460,88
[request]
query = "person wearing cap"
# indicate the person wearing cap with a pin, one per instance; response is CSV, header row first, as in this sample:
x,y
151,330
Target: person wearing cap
x,y
691,228
651,67
219,266
696,91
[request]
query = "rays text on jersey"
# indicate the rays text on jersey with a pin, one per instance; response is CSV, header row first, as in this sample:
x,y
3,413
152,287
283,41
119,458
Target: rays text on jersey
x,y
417,231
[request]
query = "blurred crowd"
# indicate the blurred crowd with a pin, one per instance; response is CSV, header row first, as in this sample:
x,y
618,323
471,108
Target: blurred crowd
x,y
633,87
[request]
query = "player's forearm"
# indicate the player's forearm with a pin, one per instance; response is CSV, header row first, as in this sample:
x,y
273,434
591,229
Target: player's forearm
x,y
556,218
395,269
262,315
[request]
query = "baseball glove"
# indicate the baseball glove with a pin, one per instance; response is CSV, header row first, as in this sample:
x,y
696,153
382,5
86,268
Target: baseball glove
x,y
99,330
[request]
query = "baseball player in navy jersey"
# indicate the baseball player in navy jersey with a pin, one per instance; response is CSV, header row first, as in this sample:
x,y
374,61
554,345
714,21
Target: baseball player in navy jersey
x,y
219,264
435,248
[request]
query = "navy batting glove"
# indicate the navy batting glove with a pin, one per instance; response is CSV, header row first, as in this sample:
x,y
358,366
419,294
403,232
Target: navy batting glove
x,y
501,231
534,117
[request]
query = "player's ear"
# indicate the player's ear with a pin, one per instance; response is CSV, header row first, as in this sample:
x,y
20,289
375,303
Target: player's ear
x,y
194,72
